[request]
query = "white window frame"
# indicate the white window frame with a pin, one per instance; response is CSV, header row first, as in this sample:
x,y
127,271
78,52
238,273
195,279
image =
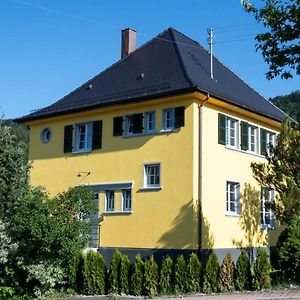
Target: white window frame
x,y
109,201
236,200
87,137
126,201
270,139
266,213
148,185
148,121
170,120
228,135
255,128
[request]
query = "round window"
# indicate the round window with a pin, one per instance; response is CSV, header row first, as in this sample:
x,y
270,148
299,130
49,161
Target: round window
x,y
46,135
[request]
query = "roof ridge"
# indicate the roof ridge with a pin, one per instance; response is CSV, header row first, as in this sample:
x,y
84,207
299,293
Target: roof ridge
x,y
229,69
184,69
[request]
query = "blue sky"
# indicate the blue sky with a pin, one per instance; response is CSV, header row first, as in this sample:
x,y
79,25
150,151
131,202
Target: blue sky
x,y
49,48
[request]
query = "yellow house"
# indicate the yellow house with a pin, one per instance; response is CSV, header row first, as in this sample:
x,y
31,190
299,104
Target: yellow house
x,y
166,146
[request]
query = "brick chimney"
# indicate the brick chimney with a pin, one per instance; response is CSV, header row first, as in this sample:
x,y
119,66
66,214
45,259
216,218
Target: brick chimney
x,y
128,42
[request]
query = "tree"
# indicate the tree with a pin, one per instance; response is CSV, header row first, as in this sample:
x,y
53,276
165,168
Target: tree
x,y
280,43
45,232
287,251
281,172
290,104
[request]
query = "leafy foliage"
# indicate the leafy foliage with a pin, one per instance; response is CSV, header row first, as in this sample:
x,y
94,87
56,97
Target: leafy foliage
x,y
150,277
262,270
287,251
137,277
114,273
166,276
290,104
210,278
281,172
13,171
94,274
76,272
44,232
124,275
280,43
226,274
180,275
243,277
194,274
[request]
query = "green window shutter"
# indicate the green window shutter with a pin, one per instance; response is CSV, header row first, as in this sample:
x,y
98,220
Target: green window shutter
x,y
68,139
97,135
118,126
263,141
137,123
222,129
244,135
179,116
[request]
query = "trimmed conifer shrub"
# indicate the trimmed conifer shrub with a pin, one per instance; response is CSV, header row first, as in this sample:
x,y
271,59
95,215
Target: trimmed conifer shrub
x,y
137,277
114,273
287,251
194,269
166,276
211,273
76,273
94,274
150,277
180,278
226,274
262,269
124,275
243,277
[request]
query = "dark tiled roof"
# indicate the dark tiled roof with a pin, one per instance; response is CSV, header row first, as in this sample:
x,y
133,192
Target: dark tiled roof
x,y
171,63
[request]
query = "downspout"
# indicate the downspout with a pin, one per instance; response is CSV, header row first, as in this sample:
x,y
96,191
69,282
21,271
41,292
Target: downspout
x,y
200,176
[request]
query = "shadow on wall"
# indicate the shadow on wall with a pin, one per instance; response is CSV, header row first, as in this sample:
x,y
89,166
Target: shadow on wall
x,y
208,240
253,235
184,229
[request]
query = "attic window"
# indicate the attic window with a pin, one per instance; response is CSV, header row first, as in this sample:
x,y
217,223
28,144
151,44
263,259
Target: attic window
x,y
141,76
90,87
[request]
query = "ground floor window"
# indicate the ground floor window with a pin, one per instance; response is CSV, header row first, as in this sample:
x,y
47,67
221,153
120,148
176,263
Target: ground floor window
x,y
267,217
232,198
110,200
126,200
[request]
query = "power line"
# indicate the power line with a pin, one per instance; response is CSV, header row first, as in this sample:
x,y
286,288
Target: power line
x,y
228,39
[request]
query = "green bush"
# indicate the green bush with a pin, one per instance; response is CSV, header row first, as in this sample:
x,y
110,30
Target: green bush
x,y
166,276
287,251
243,276
137,277
114,273
76,273
180,279
150,277
262,270
210,278
226,274
124,275
94,274
194,274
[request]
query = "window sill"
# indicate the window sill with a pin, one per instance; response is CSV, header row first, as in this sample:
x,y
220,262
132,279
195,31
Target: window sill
x,y
166,131
149,133
229,214
267,227
243,151
82,151
106,213
152,188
